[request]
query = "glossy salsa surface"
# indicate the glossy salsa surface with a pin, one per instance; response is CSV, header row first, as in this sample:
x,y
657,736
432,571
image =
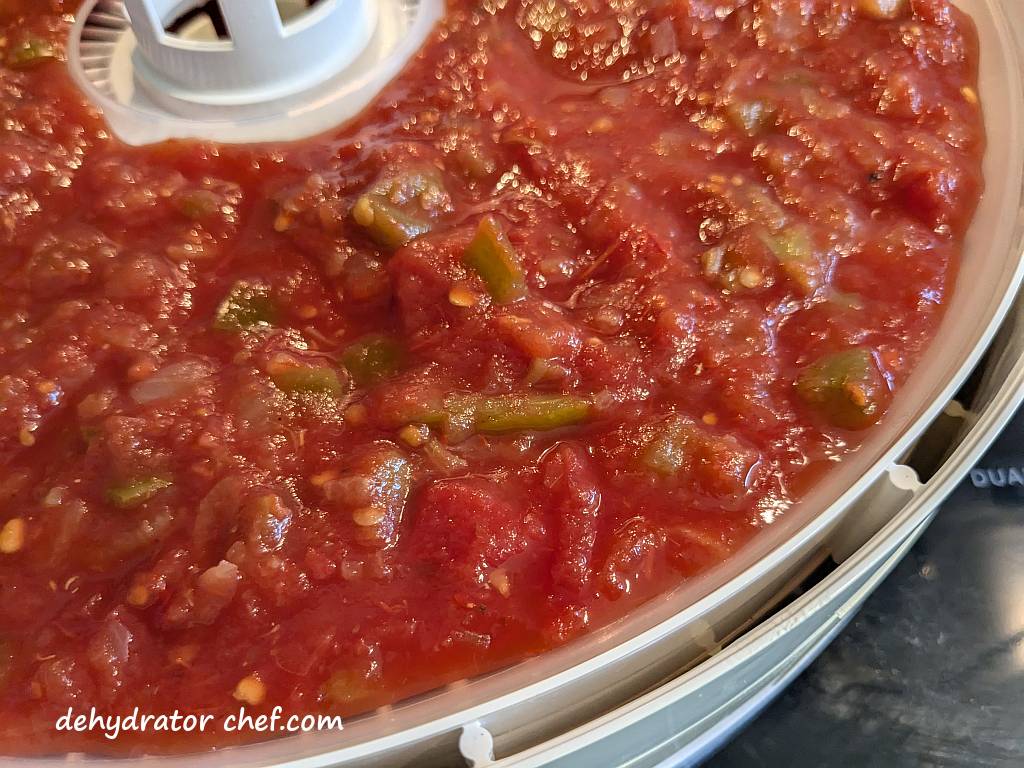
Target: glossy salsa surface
x,y
587,298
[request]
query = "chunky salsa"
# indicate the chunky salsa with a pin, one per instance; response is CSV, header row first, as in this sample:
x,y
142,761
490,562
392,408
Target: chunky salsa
x,y
590,295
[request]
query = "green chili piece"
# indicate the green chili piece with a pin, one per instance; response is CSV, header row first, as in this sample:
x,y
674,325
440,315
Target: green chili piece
x,y
845,387
246,306
759,204
462,415
89,433
372,358
308,379
521,413
492,256
397,209
679,447
343,689
846,300
794,249
387,224
197,204
30,52
667,452
422,186
137,491
477,163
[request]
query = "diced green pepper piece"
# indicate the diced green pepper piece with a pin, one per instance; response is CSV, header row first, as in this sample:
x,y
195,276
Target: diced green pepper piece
x,y
729,269
30,52
422,186
666,453
197,204
438,417
461,415
372,358
89,433
846,300
387,224
719,464
398,209
246,306
758,204
751,117
794,249
477,163
492,256
845,387
345,689
137,491
308,379
521,413
742,261
441,458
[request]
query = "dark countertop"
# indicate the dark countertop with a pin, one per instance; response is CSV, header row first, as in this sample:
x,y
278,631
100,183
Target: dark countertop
x,y
931,671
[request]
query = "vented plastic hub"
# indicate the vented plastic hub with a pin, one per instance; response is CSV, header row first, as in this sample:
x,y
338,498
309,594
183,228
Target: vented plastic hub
x,y
241,70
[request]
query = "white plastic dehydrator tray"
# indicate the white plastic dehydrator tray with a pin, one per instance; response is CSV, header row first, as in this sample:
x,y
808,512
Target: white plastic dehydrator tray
x,y
668,682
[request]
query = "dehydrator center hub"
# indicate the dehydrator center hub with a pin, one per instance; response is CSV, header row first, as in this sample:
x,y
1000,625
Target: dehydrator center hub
x,y
241,70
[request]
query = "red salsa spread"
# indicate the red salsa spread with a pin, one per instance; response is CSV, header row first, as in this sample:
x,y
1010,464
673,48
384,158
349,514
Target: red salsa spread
x,y
590,295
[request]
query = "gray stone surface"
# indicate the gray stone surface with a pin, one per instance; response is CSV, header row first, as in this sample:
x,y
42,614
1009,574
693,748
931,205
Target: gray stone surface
x,y
931,672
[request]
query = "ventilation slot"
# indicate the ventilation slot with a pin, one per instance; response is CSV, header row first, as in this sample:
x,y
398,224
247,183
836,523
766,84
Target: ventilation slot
x,y
104,26
203,22
293,10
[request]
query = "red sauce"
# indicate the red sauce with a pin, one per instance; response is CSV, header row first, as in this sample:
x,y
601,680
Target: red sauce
x,y
634,276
